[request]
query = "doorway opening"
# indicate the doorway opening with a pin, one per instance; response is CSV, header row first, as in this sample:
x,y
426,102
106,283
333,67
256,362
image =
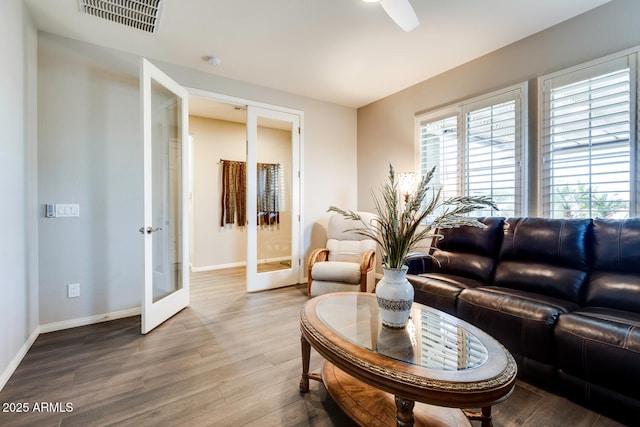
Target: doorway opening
x,y
243,198
253,155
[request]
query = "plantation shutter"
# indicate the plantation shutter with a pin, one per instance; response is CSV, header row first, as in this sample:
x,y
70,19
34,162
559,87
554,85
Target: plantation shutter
x,y
439,148
586,142
477,148
446,347
493,152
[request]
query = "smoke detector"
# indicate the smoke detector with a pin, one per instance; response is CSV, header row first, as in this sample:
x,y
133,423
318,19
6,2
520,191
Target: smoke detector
x,y
216,61
139,14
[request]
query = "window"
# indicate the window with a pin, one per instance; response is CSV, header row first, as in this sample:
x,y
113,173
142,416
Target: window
x,y
478,149
587,143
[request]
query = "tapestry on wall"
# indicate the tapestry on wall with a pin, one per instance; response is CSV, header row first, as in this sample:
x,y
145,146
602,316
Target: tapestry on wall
x,y
233,194
270,200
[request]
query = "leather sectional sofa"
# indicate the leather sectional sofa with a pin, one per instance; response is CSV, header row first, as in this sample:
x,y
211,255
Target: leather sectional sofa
x,y
563,295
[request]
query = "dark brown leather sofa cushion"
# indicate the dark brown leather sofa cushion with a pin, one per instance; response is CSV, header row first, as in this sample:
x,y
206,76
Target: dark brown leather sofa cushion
x,y
603,345
614,290
523,322
469,251
549,241
564,299
615,281
539,278
464,258
599,344
617,245
598,360
542,268
440,290
545,256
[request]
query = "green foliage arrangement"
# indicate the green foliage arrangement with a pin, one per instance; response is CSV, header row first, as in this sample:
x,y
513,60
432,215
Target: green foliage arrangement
x,y
584,201
400,226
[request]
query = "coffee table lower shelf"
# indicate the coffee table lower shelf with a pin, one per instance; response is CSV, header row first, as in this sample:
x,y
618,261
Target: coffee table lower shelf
x,y
369,406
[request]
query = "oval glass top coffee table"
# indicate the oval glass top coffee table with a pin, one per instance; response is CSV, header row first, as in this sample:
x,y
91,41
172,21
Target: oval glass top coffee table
x,y
376,375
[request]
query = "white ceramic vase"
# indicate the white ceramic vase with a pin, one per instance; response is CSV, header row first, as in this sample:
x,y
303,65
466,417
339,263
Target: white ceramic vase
x,y
395,297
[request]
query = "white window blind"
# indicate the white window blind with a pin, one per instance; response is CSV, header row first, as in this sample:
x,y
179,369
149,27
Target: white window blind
x,y
439,148
445,346
484,158
586,142
492,155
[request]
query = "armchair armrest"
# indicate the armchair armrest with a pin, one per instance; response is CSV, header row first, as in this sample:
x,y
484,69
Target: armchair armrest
x,y
317,255
367,264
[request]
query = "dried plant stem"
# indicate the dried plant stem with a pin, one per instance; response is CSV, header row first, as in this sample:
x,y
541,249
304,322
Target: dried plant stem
x,y
400,227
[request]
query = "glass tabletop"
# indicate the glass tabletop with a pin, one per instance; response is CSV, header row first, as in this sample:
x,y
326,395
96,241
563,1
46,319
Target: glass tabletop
x,y
431,339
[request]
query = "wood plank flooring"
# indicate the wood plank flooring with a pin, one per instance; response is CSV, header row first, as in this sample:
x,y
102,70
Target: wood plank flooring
x,y
230,359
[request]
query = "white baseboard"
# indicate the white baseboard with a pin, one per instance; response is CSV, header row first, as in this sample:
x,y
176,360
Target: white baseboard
x,y
236,264
83,321
13,365
58,326
217,267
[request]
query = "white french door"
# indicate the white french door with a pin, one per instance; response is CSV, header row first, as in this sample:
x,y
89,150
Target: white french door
x,y
166,248
273,198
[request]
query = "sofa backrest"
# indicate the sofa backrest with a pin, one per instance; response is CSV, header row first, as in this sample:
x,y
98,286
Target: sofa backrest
x,y
615,280
469,251
546,256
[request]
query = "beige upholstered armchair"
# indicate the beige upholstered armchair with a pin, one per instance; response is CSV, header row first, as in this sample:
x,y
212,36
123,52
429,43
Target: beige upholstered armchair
x,y
347,263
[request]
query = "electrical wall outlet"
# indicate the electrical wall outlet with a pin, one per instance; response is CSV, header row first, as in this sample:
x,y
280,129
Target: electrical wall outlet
x,y
73,290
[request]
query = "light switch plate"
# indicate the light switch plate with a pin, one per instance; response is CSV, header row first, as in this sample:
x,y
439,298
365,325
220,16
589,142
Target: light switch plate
x,y
67,210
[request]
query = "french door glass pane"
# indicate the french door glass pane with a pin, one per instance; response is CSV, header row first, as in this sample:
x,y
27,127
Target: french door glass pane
x,y
167,185
274,186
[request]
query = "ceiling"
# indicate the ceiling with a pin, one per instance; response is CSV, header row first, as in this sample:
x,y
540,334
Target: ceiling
x,y
346,52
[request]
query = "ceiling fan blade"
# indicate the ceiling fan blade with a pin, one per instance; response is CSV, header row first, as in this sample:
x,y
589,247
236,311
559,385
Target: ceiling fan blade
x,y
402,13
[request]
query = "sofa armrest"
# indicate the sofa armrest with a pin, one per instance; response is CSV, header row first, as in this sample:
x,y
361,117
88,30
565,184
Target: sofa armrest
x,y
418,264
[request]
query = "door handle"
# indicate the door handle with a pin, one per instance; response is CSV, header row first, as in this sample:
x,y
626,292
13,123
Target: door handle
x,y
149,229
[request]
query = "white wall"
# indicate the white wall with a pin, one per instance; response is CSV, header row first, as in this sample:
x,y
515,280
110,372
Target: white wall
x,y
18,245
329,149
90,153
214,140
215,246
386,127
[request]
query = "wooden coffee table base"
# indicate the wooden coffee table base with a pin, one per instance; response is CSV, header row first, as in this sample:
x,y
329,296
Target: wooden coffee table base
x,y
369,406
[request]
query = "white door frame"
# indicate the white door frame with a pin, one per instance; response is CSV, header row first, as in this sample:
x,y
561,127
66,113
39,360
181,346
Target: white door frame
x,y
241,101
156,312
287,276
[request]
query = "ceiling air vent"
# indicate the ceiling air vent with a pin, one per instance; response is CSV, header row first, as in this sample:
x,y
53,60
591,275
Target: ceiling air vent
x,y
140,14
